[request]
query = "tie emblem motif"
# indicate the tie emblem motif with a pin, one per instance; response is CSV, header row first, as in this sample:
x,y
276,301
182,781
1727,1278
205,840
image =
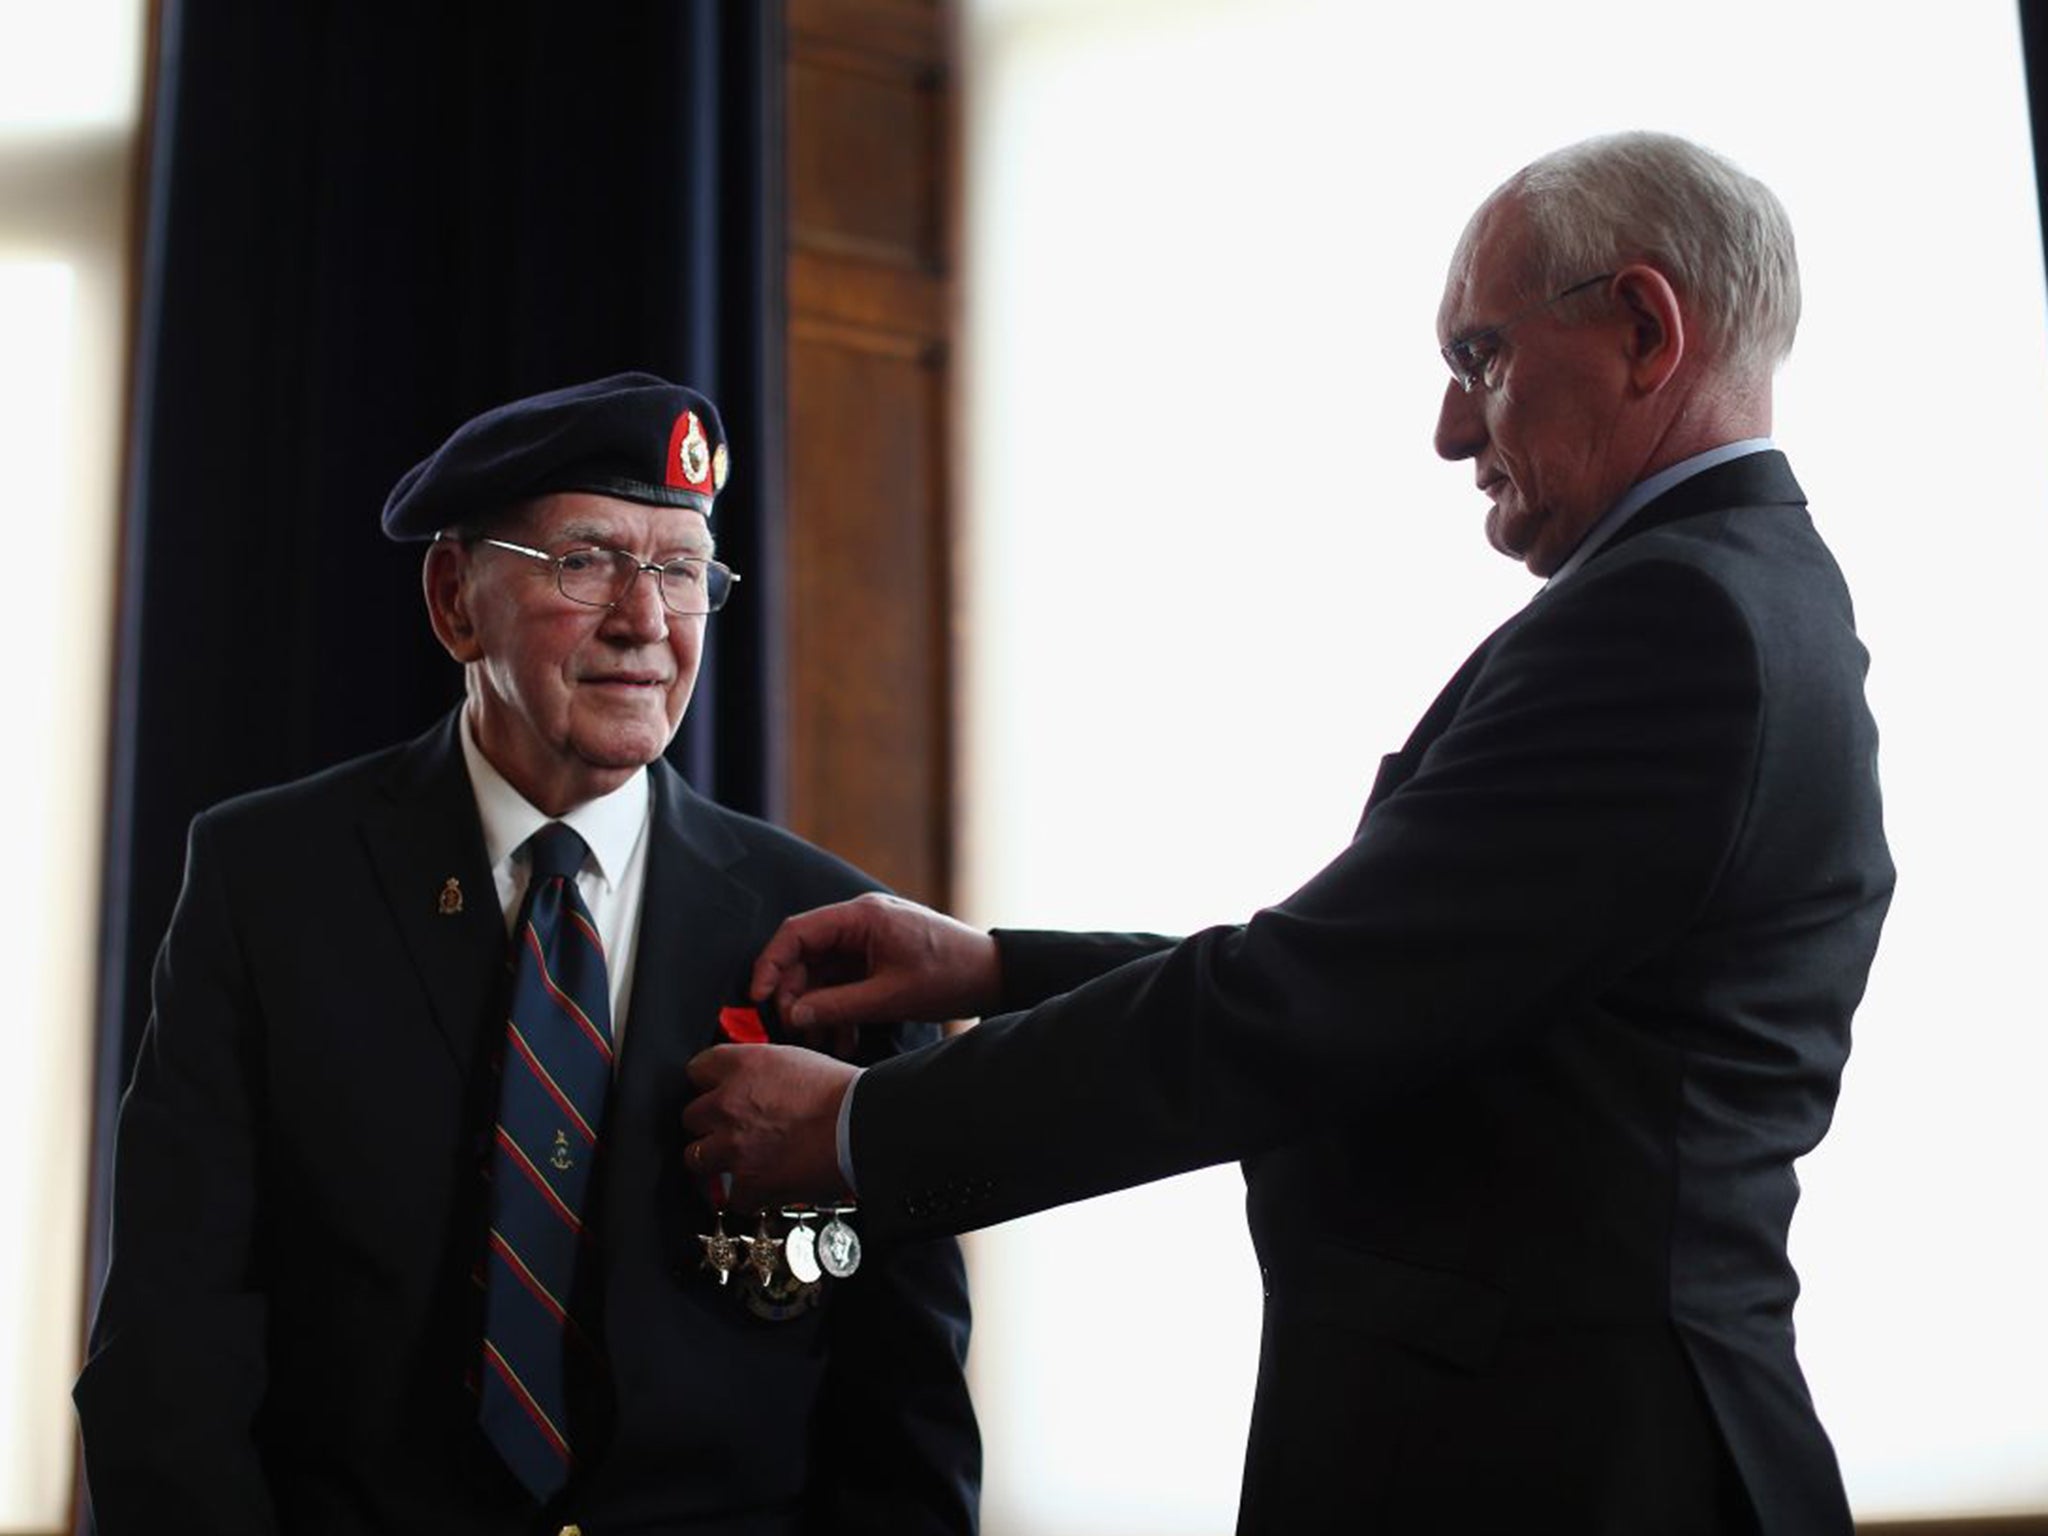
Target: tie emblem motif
x,y
556,1073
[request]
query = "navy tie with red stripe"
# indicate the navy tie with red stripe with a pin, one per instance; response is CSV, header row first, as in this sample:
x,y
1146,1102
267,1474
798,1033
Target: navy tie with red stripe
x,y
557,1069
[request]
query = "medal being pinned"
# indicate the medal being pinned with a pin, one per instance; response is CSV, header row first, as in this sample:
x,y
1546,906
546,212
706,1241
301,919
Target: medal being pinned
x,y
784,1263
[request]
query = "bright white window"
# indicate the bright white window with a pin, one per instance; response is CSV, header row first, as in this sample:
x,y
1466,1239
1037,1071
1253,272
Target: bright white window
x,y
68,92
1212,570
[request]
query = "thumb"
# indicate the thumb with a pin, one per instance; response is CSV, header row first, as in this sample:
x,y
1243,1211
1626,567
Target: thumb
x,y
712,1066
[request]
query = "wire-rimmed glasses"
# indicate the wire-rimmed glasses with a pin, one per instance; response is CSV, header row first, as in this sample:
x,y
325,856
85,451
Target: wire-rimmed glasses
x,y
597,577
1470,355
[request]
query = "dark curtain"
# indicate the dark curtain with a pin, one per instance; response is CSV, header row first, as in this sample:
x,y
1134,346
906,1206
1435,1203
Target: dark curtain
x,y
2034,49
363,224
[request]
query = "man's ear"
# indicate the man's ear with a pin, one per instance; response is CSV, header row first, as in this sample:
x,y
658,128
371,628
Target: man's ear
x,y
1656,326
445,580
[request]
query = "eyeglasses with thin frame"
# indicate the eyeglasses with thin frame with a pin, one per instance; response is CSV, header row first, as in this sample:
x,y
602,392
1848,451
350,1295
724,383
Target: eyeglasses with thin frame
x,y
1470,355
690,585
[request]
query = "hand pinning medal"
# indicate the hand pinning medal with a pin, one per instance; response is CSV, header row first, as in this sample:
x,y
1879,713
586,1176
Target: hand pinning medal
x,y
784,1262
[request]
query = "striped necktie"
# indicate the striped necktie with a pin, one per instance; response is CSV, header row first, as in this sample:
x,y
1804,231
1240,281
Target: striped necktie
x,y
557,1068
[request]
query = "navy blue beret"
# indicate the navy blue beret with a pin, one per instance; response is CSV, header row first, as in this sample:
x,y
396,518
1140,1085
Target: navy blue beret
x,y
632,435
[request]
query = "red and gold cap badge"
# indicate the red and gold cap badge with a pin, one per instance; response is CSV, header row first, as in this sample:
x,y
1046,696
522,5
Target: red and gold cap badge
x,y
693,464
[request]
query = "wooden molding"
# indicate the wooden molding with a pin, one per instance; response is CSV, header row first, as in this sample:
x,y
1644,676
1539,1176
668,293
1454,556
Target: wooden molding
x,y
869,89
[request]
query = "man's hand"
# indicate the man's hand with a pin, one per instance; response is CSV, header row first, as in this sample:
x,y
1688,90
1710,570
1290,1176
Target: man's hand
x,y
768,1115
877,959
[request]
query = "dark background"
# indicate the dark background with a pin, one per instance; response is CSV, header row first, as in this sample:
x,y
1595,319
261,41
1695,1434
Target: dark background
x,y
362,224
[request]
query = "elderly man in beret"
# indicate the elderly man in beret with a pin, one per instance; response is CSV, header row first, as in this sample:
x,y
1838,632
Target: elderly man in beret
x,y
403,1236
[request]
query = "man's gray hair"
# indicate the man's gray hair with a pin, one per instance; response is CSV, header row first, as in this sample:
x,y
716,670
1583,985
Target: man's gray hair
x,y
1720,235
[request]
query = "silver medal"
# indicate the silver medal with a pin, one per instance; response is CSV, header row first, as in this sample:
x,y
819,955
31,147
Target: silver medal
x,y
800,1248
838,1249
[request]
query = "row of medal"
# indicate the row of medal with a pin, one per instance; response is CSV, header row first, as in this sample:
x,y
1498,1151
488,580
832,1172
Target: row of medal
x,y
782,1274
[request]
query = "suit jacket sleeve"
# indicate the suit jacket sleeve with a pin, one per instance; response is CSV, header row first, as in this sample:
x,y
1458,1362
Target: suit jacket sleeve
x,y
1038,964
175,1371
1570,818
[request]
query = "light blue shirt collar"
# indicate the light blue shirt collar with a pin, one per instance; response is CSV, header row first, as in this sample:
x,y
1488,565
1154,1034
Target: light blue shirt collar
x,y
1643,492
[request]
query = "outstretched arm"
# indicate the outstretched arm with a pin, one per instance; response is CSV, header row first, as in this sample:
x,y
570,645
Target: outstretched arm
x,y
767,1117
1571,818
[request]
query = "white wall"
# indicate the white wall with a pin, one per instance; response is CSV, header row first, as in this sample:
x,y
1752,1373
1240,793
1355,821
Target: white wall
x,y
1206,242
69,83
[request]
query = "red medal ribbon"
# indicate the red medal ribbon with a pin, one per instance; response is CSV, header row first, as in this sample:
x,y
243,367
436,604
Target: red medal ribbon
x,y
742,1026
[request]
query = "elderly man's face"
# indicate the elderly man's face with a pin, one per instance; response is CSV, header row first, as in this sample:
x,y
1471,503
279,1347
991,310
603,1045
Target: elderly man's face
x,y
566,700
1543,428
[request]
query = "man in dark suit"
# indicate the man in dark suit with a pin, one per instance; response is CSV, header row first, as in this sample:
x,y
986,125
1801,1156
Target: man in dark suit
x,y
1519,1079
315,1224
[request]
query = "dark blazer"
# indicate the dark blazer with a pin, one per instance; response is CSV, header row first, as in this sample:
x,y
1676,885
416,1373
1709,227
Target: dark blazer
x,y
1518,1080
291,1317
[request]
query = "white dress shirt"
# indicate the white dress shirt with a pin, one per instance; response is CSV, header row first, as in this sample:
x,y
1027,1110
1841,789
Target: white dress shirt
x,y
614,874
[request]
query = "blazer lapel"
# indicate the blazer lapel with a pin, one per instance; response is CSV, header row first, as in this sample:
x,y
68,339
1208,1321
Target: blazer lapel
x,y
699,929
427,847
696,920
